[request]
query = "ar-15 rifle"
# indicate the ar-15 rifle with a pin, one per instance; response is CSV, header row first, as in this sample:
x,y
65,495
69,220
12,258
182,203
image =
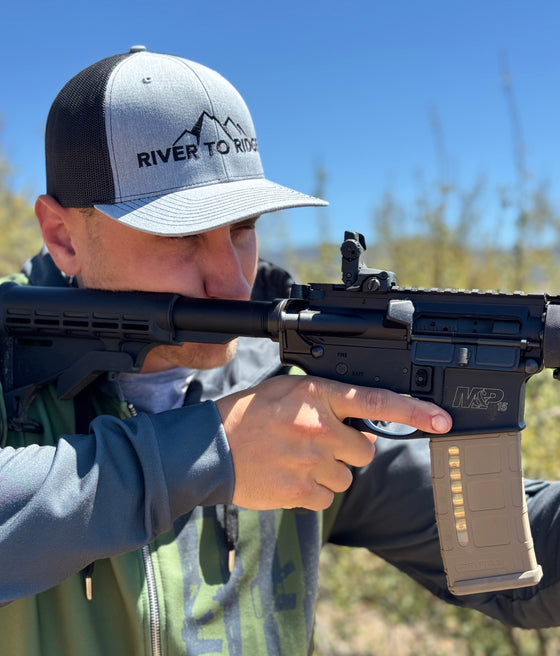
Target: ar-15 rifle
x,y
470,352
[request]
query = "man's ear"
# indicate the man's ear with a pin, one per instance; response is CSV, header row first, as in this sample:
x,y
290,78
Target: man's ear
x,y
56,225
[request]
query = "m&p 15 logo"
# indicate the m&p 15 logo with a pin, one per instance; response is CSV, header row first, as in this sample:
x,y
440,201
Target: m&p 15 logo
x,y
479,398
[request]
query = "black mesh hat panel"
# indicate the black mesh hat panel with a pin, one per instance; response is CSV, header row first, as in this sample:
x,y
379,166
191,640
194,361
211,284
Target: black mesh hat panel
x,y
78,168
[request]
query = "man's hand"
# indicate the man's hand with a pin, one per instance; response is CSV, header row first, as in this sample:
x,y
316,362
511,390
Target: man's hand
x,y
290,447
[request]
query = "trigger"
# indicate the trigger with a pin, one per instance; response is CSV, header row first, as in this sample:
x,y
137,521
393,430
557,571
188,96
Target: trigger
x,y
390,429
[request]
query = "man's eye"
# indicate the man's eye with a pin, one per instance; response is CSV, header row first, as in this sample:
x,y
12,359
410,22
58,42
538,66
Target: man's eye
x,y
243,233
242,228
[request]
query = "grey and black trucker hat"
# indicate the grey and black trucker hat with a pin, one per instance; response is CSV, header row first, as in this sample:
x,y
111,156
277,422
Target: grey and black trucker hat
x,y
161,144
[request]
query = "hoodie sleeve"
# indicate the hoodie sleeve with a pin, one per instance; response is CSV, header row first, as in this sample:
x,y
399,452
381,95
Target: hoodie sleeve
x,y
390,510
105,493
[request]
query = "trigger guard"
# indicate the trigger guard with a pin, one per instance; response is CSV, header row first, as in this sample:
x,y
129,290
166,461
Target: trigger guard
x,y
390,429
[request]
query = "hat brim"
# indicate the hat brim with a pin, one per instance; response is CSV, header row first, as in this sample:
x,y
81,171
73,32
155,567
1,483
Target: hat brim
x,y
196,210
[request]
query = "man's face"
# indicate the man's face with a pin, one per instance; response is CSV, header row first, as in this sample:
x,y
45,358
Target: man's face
x,y
220,264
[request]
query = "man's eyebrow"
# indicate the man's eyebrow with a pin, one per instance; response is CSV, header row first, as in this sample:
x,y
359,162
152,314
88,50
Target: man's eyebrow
x,y
250,221
244,223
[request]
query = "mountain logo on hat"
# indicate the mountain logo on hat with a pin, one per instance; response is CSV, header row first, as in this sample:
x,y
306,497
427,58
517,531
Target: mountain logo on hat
x,y
196,130
211,137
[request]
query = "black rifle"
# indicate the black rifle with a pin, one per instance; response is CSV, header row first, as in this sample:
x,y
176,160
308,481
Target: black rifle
x,y
470,352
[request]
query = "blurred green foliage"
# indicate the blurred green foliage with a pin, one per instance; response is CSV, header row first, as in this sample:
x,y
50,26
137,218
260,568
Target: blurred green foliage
x,y
20,234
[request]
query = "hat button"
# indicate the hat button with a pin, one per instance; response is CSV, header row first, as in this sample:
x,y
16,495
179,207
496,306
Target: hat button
x,y
137,48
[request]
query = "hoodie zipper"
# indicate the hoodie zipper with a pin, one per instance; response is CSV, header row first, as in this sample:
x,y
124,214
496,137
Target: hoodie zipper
x,y
153,605
155,629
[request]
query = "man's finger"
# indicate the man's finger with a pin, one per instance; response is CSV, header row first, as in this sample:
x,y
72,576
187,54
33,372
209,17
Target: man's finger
x,y
384,405
355,448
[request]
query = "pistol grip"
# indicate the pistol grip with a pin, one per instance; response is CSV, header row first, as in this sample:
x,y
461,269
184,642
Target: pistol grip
x,y
481,513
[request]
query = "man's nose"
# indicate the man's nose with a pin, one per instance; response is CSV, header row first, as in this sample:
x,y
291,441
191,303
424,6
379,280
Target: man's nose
x,y
225,276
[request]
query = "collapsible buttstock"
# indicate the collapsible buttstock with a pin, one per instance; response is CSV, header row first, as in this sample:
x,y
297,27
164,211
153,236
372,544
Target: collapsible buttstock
x,y
481,513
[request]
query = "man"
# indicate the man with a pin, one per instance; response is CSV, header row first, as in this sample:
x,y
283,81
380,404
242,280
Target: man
x,y
188,515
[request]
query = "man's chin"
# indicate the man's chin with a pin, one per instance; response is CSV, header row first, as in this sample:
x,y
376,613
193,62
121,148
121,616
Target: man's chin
x,y
190,355
211,356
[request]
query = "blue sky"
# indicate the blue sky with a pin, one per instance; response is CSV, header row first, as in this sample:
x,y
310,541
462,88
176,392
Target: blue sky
x,y
351,86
